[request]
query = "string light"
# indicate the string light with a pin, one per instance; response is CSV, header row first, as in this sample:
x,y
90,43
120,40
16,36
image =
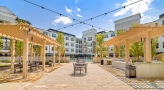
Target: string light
x,y
82,22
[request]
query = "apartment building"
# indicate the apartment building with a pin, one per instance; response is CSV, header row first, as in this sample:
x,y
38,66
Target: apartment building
x,y
126,23
160,44
89,41
70,42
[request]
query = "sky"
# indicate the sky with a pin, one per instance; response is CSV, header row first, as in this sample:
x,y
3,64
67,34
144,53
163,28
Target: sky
x,y
82,10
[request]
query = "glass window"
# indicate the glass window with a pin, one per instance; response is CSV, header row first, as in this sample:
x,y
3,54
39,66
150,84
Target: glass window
x,y
72,39
163,44
72,50
67,50
72,44
112,34
84,39
46,33
54,35
52,48
106,35
67,44
46,47
67,38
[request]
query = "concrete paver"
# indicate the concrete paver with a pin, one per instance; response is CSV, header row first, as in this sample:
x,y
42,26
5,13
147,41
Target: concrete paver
x,y
63,79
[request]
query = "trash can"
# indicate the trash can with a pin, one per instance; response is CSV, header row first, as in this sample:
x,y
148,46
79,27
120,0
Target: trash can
x,y
102,62
130,71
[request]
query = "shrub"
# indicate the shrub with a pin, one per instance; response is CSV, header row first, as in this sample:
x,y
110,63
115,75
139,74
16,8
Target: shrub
x,y
162,60
5,61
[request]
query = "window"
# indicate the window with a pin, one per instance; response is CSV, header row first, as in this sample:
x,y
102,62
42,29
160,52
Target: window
x,y
91,44
106,35
89,38
72,50
52,48
67,50
67,44
72,39
46,33
112,34
163,22
84,39
157,45
46,47
163,44
67,38
72,44
54,35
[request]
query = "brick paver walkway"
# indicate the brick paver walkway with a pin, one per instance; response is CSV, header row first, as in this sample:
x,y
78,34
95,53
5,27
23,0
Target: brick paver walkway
x,y
63,79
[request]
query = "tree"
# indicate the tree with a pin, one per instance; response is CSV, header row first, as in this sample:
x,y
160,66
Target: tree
x,y
137,49
99,47
37,50
1,43
60,39
21,21
154,42
19,49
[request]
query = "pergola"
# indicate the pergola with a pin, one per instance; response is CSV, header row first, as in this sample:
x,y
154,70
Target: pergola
x,y
29,35
135,34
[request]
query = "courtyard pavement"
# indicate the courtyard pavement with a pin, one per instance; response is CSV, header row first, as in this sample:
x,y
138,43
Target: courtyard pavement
x,y
63,78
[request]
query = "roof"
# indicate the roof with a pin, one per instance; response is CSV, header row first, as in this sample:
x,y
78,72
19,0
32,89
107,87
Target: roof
x,y
61,32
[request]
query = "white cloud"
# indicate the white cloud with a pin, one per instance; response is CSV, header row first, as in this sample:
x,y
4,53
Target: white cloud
x,y
147,18
68,10
62,19
140,7
110,20
79,15
117,5
76,1
78,9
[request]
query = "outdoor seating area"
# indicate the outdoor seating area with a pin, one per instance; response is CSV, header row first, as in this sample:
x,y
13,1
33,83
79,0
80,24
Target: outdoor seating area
x,y
80,65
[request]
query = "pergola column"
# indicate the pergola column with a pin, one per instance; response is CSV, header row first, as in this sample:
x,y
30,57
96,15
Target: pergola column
x,y
41,53
114,52
127,54
144,51
31,53
44,57
108,51
53,56
148,47
25,54
59,54
12,54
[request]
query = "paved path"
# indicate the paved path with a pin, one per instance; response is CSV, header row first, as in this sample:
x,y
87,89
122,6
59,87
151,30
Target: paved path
x,y
63,79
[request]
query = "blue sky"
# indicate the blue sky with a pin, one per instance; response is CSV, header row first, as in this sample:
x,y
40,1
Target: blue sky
x,y
82,10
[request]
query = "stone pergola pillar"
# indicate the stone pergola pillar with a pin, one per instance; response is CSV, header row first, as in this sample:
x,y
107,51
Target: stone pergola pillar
x,y
25,54
53,56
31,53
59,54
148,47
127,54
44,57
12,54
114,52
